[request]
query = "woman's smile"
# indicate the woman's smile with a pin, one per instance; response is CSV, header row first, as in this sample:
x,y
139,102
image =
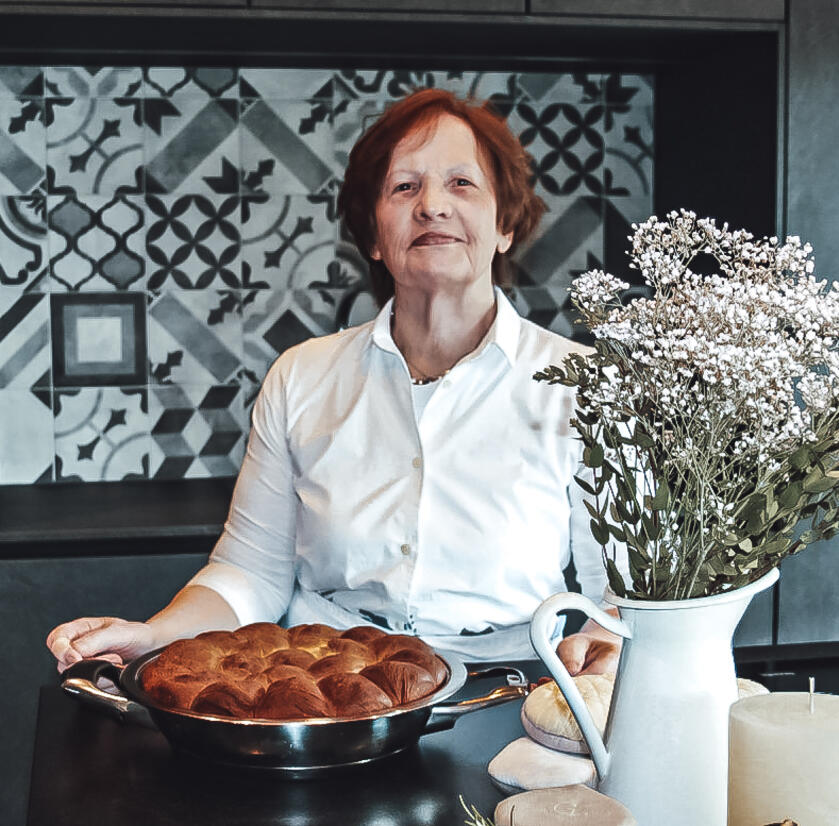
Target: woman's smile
x,y
434,239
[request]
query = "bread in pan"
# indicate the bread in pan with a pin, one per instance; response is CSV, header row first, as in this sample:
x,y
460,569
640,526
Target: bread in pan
x,y
263,671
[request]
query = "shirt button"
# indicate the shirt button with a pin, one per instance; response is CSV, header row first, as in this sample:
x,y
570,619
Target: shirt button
x,y
447,383
416,462
406,549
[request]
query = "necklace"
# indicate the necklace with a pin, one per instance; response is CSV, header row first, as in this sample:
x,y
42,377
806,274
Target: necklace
x,y
423,378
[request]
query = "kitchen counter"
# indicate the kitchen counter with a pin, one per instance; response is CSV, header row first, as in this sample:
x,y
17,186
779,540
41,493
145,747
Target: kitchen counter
x,y
89,768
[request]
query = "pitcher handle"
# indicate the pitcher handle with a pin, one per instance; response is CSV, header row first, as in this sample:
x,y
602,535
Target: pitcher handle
x,y
541,627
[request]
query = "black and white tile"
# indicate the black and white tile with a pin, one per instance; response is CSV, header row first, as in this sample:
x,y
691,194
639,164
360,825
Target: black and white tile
x,y
287,84
26,446
193,241
23,145
93,81
25,356
96,242
195,337
274,321
98,339
24,261
211,81
196,430
167,232
21,81
286,146
94,145
288,242
101,434
192,144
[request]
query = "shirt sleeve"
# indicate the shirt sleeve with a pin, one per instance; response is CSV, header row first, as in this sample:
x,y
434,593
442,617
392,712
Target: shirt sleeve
x,y
252,564
586,551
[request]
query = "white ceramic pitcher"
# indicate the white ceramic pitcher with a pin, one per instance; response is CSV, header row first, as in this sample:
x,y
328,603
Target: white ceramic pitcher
x,y
664,753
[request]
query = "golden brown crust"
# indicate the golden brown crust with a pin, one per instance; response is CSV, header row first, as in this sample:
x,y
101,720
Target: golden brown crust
x,y
402,682
353,695
305,672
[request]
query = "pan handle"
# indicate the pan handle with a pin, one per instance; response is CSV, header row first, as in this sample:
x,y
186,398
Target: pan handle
x,y
445,716
80,680
514,675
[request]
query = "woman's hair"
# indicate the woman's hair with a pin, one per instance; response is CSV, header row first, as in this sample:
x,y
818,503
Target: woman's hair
x,y
519,209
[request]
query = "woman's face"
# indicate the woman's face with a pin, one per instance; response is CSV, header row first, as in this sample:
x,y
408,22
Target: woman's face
x,y
436,214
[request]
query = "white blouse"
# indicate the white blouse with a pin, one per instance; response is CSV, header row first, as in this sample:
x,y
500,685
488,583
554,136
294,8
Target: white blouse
x,y
447,511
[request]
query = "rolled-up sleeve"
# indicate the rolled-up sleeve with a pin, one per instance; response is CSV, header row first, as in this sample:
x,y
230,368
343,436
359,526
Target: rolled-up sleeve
x,y
252,564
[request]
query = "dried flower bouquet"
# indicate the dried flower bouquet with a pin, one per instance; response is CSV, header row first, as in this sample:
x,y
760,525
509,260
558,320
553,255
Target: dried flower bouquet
x,y
709,412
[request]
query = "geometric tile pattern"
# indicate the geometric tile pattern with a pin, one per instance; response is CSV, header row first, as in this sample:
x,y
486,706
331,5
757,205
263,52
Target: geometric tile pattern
x,y
25,356
194,338
98,339
96,242
167,231
101,433
196,431
23,240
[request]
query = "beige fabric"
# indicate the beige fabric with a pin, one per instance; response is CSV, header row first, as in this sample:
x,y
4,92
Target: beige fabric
x,y
524,764
569,806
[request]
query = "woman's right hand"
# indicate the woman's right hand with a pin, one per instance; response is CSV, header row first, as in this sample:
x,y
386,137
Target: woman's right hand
x,y
104,638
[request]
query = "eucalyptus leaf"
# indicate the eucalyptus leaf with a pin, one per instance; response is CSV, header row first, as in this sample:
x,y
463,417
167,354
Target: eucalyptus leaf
x,y
599,530
615,579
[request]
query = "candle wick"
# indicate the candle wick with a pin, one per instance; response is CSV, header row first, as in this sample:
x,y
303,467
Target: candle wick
x,y
812,695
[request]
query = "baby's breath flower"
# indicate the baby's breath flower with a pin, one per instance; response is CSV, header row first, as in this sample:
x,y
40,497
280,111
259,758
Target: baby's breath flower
x,y
728,373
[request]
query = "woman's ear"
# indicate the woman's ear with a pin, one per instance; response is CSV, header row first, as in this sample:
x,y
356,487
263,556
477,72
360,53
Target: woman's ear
x,y
504,242
375,253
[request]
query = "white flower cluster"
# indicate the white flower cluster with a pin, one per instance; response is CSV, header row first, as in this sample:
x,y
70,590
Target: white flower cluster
x,y
718,362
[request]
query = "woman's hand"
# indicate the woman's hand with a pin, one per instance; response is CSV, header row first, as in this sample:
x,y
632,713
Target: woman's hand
x,y
104,638
593,650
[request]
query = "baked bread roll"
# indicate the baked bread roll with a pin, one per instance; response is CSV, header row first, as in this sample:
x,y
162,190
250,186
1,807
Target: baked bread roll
x,y
262,671
547,718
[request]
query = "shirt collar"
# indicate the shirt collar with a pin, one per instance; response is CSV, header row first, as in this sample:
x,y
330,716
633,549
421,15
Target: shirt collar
x,y
504,332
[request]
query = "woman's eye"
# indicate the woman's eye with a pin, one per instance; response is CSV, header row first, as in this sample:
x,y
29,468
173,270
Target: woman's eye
x,y
403,187
463,182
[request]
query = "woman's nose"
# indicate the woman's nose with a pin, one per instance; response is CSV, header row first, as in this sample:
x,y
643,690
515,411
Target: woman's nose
x,y
433,202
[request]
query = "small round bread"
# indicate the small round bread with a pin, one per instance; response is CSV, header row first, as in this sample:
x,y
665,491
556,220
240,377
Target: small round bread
x,y
354,695
266,672
223,699
547,718
292,694
402,682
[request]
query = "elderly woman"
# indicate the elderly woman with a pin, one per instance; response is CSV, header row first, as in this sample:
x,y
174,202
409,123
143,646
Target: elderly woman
x,y
407,472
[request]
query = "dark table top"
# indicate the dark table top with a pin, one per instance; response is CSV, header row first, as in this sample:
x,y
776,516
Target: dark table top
x,y
89,769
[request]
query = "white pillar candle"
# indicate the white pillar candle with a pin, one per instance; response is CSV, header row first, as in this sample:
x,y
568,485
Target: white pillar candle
x,y
783,758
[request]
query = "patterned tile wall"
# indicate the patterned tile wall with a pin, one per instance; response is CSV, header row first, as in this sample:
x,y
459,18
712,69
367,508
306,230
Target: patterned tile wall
x,y
166,232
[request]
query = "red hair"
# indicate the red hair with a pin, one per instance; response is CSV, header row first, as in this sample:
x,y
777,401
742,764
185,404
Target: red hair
x,y
519,209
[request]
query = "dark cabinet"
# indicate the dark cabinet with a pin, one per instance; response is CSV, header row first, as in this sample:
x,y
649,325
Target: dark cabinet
x,y
481,6
699,9
36,595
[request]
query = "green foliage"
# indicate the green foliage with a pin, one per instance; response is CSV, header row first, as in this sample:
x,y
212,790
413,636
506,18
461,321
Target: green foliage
x,y
678,547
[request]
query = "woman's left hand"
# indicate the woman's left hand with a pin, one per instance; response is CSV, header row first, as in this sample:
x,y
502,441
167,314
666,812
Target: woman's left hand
x,y
592,650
